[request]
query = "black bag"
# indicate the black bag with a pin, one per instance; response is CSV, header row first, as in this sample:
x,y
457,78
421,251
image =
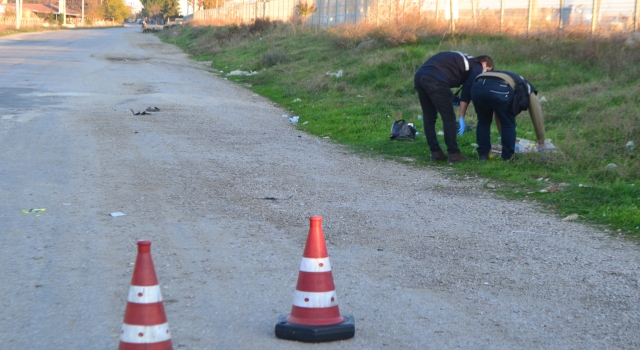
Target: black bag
x,y
521,97
456,97
401,130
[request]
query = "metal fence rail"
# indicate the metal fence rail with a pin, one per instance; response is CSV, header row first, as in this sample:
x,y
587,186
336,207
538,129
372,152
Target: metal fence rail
x,y
24,23
601,17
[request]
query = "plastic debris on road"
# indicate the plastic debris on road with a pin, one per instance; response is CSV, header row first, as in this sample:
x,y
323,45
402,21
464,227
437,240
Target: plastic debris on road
x,y
117,213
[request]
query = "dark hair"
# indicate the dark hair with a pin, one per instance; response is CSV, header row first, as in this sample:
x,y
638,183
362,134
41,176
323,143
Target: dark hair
x,y
487,59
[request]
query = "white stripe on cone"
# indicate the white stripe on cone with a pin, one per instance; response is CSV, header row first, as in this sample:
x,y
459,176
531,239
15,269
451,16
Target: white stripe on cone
x,y
315,299
145,334
315,265
144,294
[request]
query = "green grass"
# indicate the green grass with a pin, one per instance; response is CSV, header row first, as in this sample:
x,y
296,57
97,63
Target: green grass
x,y
591,86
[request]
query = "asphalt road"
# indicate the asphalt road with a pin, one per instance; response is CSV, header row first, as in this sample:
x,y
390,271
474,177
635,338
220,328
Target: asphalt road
x,y
223,186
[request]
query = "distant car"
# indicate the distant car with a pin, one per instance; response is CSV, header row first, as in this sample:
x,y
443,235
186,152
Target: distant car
x,y
128,20
139,21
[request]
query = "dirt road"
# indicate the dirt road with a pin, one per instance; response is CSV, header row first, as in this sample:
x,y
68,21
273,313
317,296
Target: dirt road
x,y
421,259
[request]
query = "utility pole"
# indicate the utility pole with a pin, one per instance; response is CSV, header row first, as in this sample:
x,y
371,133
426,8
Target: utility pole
x,y
62,9
18,13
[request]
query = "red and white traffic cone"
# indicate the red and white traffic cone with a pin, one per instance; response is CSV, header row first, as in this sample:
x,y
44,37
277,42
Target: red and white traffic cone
x,y
315,316
145,323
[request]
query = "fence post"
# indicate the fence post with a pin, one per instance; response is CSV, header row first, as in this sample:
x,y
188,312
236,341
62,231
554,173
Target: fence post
x,y
635,15
473,13
453,21
529,15
594,17
366,11
355,16
561,15
501,16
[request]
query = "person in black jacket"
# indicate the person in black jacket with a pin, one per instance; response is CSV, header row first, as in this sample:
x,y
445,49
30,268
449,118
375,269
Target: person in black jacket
x,y
433,82
504,94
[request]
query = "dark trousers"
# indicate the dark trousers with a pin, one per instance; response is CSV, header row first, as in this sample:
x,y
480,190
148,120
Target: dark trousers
x,y
489,96
436,97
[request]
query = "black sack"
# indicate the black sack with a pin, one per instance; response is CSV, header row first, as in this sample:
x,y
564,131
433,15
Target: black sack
x,y
401,130
520,97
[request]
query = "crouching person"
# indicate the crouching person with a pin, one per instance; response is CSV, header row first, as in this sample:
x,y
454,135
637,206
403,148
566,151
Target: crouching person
x,y
504,94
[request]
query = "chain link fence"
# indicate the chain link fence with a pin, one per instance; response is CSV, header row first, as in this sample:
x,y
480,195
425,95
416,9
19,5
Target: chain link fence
x,y
602,17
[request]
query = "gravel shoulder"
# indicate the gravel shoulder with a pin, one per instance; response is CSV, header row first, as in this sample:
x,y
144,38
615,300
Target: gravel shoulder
x,y
423,260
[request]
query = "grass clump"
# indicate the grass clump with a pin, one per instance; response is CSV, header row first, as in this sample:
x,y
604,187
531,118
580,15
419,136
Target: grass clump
x,y
592,113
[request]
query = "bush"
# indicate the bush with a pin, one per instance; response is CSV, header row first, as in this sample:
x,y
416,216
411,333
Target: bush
x,y
271,59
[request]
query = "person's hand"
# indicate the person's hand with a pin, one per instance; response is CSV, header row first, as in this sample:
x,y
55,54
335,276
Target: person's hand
x,y
462,126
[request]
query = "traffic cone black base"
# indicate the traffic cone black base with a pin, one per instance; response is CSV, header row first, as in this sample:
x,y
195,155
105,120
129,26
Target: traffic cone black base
x,y
316,334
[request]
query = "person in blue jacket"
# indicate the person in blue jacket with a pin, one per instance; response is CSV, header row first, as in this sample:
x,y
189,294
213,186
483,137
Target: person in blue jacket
x,y
433,81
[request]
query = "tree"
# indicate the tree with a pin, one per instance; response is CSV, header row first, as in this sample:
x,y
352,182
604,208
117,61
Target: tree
x,y
171,8
303,10
115,10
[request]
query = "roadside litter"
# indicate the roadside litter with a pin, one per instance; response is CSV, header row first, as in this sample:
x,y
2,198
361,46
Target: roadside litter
x,y
242,72
35,210
401,130
152,109
526,146
140,113
630,146
117,213
337,74
294,119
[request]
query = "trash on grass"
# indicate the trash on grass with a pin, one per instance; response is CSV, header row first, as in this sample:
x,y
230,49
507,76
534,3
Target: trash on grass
x,y
117,213
441,133
611,166
297,100
294,119
241,72
525,146
338,74
401,130
570,217
630,146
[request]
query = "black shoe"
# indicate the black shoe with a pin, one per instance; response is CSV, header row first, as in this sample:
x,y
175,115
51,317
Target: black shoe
x,y
437,156
483,157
